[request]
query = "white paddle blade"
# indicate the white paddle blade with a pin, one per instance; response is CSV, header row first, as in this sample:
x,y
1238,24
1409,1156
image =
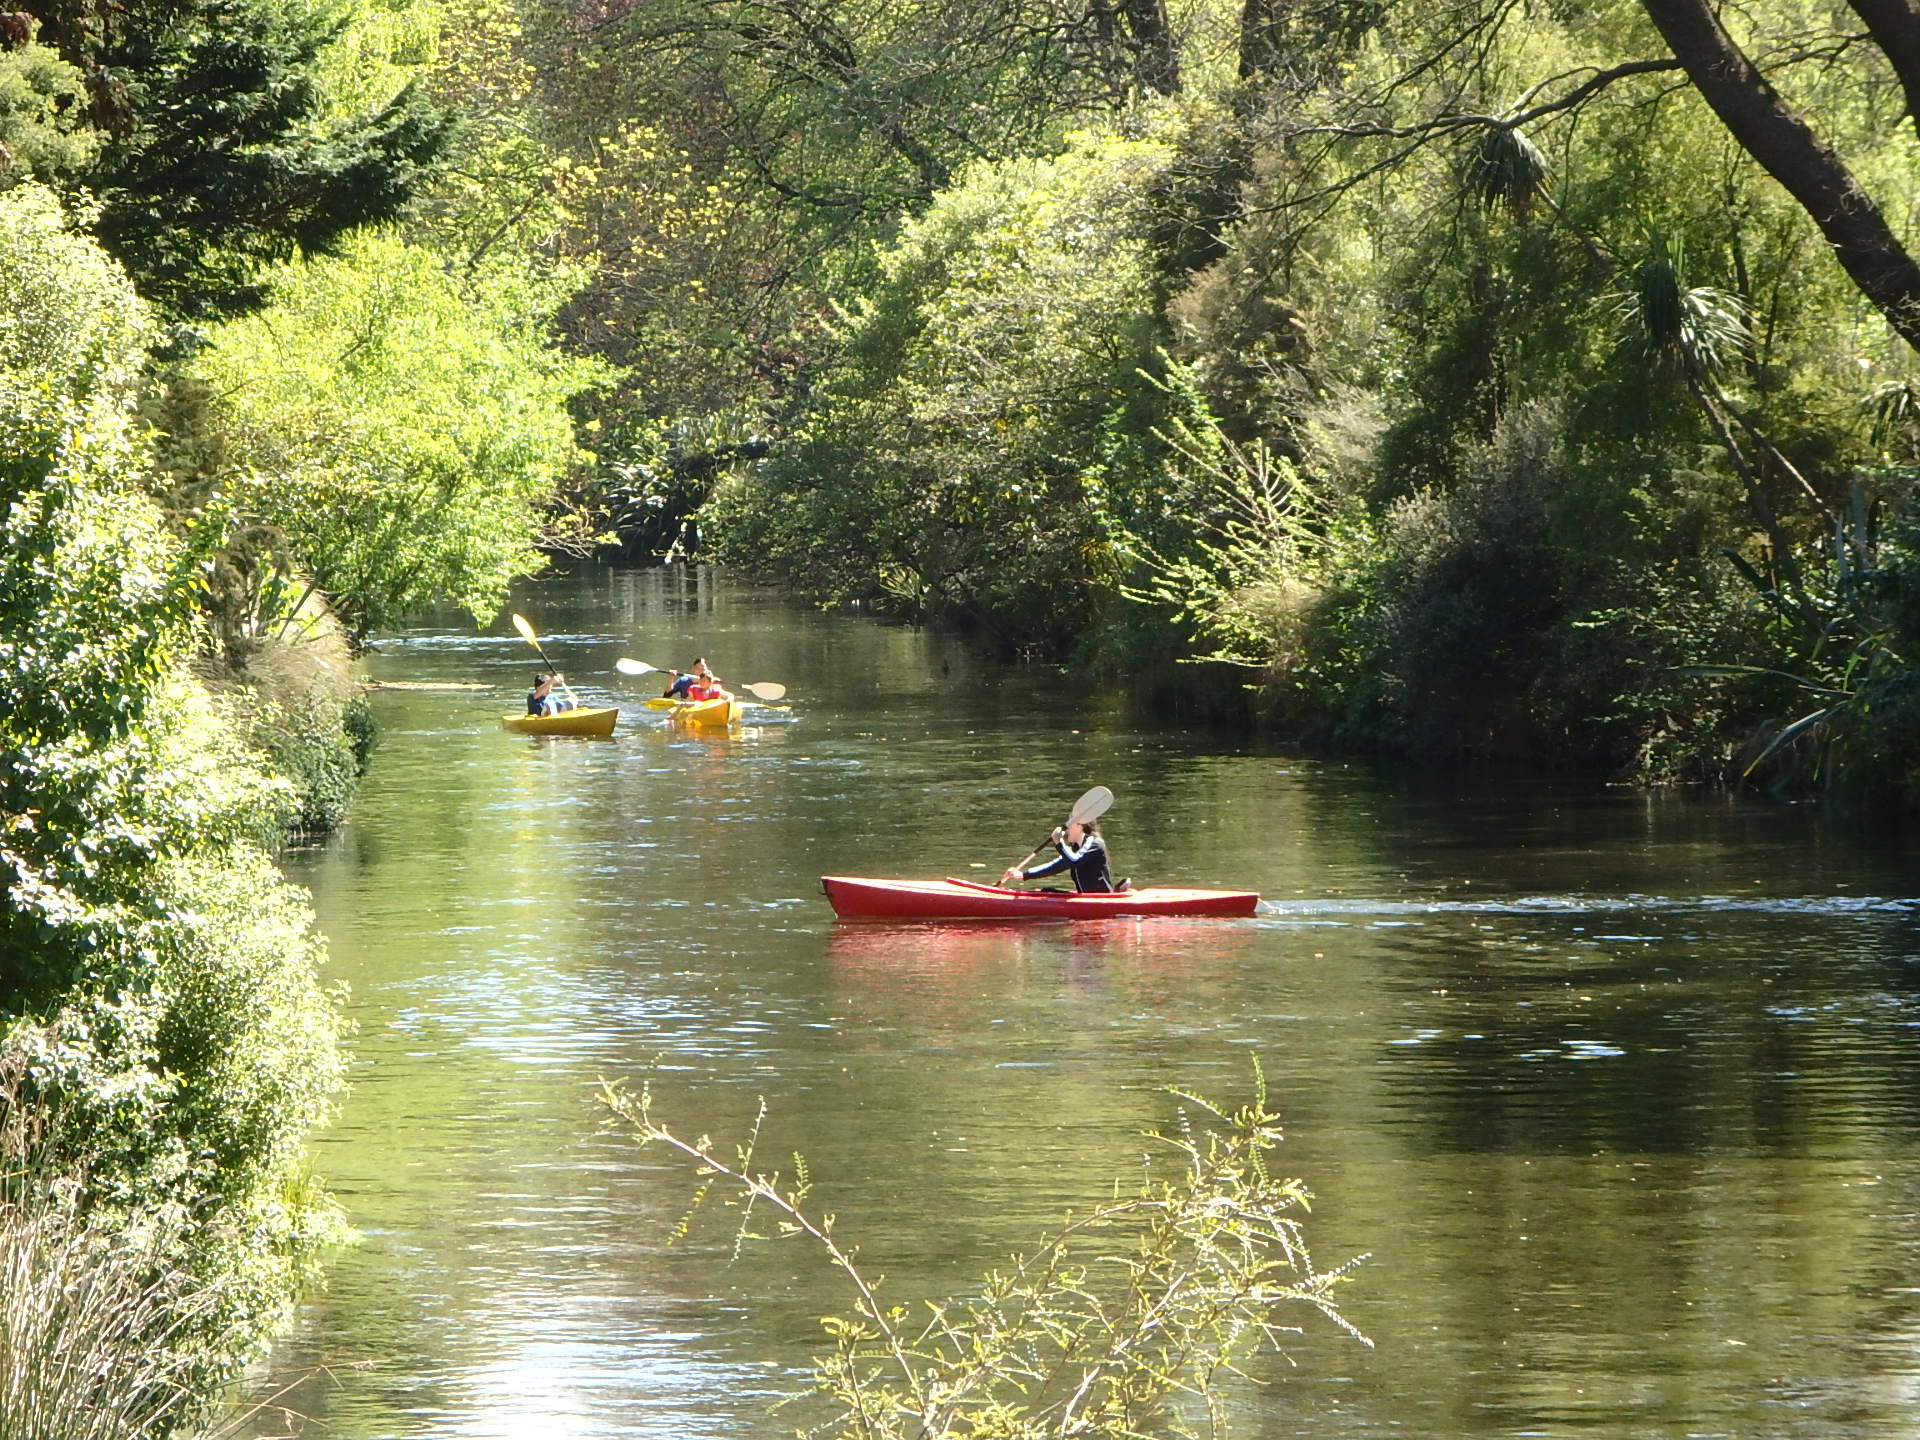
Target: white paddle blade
x,y
633,667
1090,806
766,690
526,630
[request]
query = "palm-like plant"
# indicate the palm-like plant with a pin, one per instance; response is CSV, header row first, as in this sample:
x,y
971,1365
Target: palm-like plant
x,y
1695,335
1503,167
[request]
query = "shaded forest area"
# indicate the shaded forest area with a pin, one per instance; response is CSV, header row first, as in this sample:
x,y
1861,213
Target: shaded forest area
x,y
1474,379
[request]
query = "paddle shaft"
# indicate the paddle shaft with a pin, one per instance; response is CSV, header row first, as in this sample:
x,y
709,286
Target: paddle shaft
x,y
554,670
1035,851
526,633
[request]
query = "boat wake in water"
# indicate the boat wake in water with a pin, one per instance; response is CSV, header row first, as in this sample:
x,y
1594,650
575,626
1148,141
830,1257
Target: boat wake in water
x,y
1559,905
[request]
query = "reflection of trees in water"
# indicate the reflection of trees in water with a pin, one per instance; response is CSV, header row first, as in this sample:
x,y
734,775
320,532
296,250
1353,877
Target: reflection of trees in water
x,y
1537,1035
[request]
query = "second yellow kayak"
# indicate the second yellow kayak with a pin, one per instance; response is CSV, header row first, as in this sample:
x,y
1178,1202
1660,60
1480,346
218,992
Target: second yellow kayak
x,y
711,714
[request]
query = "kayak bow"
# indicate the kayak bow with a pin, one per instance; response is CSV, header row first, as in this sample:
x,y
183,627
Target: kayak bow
x,y
856,897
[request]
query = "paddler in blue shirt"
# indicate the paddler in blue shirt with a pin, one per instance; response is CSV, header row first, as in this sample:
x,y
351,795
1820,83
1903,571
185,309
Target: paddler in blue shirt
x,y
684,680
542,701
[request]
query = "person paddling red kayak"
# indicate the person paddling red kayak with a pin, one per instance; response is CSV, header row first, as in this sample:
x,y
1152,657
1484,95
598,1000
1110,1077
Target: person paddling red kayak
x,y
864,897
1080,848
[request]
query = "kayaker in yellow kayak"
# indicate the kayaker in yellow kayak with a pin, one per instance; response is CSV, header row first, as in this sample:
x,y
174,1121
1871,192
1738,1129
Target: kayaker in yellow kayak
x,y
1082,851
542,701
699,683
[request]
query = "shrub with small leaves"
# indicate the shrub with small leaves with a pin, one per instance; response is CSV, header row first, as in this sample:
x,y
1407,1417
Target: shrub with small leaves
x,y
1121,1323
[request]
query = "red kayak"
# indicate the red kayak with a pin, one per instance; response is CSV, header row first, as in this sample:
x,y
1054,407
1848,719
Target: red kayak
x,y
856,897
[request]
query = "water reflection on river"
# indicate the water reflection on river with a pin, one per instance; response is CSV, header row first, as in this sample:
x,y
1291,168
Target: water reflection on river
x,y
1619,1090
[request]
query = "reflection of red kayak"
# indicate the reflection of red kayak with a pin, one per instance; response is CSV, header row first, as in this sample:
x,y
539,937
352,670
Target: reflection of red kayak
x,y
857,898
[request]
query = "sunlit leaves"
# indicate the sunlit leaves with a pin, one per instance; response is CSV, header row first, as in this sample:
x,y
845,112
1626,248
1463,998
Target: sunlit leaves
x,y
158,975
43,129
402,431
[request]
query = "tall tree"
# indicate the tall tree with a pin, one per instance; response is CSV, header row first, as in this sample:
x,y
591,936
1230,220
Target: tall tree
x,y
222,157
1785,145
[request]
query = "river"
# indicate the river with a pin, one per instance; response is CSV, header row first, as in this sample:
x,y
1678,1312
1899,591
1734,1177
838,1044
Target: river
x,y
1620,1091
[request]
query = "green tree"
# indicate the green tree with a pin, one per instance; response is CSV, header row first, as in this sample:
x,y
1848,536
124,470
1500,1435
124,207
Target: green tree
x,y
403,432
158,973
221,157
989,451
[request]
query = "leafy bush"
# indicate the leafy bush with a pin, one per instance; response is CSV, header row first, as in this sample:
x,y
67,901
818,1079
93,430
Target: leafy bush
x,y
158,974
295,700
1107,1329
1835,704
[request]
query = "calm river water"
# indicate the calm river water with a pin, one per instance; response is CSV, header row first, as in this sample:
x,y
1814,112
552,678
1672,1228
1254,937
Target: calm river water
x,y
1620,1090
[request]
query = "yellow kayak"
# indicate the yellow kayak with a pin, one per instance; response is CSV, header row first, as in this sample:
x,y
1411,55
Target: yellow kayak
x,y
716,714
584,721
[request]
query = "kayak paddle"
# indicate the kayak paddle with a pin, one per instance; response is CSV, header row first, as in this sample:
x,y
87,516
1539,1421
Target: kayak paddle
x,y
1090,806
662,702
765,690
526,633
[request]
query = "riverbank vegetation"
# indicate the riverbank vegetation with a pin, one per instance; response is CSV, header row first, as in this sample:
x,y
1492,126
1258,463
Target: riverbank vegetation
x,y
167,1044
1476,380
261,392
1483,381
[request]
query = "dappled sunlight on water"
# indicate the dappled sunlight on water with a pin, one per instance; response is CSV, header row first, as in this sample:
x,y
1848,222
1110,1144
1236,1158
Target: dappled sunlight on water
x,y
1621,1091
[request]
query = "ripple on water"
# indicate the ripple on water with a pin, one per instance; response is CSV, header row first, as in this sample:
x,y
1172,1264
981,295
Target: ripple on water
x,y
1606,1081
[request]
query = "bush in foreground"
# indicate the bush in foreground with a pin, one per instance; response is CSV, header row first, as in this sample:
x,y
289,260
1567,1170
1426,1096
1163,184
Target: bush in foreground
x,y
1117,1325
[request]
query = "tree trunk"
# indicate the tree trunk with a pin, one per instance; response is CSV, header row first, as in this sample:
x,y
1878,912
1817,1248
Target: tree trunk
x,y
1156,65
1263,25
1895,27
1776,137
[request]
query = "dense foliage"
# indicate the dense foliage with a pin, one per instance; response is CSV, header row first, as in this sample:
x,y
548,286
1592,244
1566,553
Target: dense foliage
x,y
399,434
158,975
1576,330
244,419
221,152
1002,392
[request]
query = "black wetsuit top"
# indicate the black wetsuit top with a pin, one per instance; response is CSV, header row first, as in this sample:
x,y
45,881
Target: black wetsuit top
x,y
1088,864
533,703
